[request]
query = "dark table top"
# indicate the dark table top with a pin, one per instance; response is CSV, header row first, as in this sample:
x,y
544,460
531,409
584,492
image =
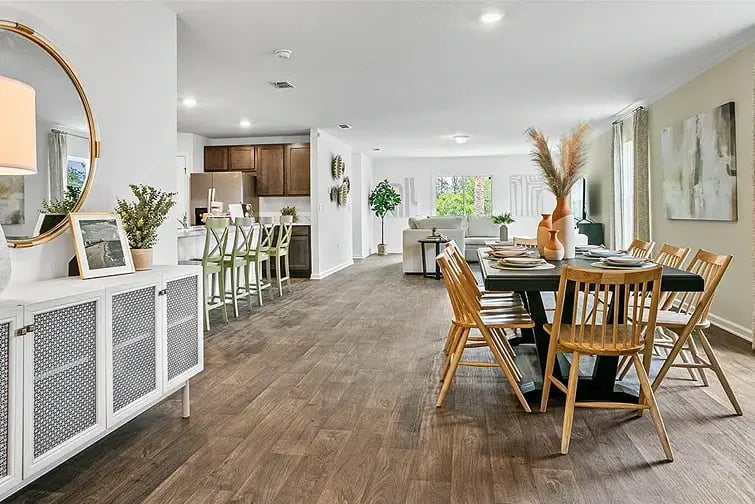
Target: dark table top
x,y
673,279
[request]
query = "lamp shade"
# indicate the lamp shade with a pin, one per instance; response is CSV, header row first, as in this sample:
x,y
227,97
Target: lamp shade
x,y
18,128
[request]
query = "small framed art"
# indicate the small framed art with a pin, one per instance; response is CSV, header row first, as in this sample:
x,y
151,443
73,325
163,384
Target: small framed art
x,y
101,245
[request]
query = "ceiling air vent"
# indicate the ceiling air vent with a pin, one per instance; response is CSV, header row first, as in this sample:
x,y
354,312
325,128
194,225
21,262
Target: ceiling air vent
x,y
281,84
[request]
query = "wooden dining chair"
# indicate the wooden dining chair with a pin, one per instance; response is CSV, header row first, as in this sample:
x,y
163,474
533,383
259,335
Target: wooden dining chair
x,y
612,334
468,315
670,256
686,316
639,248
499,301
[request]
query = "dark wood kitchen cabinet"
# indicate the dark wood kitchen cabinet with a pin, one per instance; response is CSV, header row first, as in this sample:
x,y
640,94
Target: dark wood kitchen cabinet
x,y
242,158
215,158
270,171
299,253
297,170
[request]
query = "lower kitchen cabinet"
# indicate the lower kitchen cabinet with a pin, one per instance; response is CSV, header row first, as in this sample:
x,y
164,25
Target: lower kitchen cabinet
x,y
299,253
79,358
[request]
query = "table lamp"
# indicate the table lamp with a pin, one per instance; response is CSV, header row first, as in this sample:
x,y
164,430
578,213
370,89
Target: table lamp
x,y
18,145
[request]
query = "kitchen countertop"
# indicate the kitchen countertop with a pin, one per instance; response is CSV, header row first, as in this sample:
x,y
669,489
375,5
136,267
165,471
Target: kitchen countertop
x,y
200,230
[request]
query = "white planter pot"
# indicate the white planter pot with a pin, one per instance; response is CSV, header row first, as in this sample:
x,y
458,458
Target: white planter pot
x,y
567,234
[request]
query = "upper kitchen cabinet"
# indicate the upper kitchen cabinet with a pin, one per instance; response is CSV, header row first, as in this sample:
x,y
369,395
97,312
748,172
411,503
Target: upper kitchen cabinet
x,y
215,158
297,170
270,178
242,158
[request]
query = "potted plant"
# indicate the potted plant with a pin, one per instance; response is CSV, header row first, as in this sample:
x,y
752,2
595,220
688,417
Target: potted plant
x,y
503,220
383,199
142,218
65,205
288,212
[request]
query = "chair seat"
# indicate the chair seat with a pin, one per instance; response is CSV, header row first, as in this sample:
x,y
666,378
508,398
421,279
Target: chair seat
x,y
566,340
668,318
238,261
263,256
486,303
507,319
278,252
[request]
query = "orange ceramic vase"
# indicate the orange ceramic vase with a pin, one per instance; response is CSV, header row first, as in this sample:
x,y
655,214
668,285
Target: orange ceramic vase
x,y
553,251
542,232
563,222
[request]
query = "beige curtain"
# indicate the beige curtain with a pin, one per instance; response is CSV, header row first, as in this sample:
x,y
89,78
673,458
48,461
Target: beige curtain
x,y
58,164
614,217
641,177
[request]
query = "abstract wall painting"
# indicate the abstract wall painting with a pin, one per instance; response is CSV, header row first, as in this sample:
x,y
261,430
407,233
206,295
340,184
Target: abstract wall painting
x,y
700,167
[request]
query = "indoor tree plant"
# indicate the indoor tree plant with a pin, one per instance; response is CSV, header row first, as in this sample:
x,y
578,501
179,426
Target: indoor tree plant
x,y
503,220
560,174
383,199
142,218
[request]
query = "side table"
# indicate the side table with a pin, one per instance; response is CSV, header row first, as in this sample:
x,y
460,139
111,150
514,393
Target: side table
x,y
437,243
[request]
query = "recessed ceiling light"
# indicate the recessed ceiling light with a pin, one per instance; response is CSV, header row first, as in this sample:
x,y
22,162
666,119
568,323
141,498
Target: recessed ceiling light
x,y
376,149
460,139
344,126
245,123
188,102
283,53
491,17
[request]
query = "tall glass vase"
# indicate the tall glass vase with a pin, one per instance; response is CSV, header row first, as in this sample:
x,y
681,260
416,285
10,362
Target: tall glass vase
x,y
564,223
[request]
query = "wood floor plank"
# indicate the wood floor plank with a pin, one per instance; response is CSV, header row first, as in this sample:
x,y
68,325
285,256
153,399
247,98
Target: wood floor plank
x,y
327,396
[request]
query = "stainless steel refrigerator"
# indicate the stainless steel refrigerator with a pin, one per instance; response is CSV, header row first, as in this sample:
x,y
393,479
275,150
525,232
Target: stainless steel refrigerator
x,y
231,187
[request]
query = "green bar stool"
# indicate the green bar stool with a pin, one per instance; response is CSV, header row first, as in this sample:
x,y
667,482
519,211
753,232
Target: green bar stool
x,y
216,239
235,260
267,236
279,250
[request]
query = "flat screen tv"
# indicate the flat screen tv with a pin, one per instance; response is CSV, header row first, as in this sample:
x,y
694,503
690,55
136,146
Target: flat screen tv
x,y
579,200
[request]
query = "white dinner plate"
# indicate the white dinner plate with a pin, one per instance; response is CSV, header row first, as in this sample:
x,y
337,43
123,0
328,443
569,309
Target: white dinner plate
x,y
544,266
603,253
602,265
624,261
523,260
500,254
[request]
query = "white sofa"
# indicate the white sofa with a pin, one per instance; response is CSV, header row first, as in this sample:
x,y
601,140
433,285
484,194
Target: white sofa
x,y
421,227
479,229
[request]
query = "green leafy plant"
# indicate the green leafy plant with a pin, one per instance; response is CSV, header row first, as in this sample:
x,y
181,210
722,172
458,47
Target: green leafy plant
x,y
142,218
65,205
383,199
502,218
288,210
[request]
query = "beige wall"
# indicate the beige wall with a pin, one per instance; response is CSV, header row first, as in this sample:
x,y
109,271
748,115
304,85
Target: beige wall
x,y
730,80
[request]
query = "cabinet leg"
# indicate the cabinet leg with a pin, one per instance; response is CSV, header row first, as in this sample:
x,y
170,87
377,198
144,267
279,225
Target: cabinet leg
x,y
186,400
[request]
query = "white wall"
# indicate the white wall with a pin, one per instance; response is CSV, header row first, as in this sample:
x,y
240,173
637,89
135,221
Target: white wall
x,y
416,179
332,247
362,219
128,69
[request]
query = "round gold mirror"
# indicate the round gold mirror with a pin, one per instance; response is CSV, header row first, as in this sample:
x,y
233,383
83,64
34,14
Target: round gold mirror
x,y
57,127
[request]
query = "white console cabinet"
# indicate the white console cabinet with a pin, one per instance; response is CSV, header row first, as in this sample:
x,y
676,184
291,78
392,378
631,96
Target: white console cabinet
x,y
79,358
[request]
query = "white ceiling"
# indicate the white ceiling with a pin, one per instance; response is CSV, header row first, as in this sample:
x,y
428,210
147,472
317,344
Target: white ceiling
x,y
408,75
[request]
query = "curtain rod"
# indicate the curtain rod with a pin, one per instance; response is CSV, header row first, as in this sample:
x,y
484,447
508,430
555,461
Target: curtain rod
x,y
70,134
617,121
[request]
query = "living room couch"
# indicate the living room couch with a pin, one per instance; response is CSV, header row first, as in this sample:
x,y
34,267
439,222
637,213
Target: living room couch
x,y
469,233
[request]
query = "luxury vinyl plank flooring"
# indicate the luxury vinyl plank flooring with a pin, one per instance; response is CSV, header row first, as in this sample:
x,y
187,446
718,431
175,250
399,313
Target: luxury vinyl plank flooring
x,y
326,396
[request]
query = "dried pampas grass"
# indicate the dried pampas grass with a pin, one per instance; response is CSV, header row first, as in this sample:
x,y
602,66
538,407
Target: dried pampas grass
x,y
560,174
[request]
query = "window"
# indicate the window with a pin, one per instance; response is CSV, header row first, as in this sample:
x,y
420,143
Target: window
x,y
76,172
625,196
464,195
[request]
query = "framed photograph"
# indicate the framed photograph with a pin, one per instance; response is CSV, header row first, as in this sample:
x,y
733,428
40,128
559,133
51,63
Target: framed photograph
x,y
101,245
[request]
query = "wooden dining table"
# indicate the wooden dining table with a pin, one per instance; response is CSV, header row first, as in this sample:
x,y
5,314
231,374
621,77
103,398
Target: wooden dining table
x,y
601,384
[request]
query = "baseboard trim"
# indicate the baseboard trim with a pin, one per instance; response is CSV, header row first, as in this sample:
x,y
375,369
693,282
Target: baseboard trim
x,y
731,327
334,269
368,254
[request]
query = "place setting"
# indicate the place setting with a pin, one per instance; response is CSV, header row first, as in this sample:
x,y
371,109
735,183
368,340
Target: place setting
x,y
522,263
623,262
505,251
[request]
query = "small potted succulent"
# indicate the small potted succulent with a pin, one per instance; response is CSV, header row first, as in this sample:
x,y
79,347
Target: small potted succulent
x,y
288,214
383,198
503,220
141,220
